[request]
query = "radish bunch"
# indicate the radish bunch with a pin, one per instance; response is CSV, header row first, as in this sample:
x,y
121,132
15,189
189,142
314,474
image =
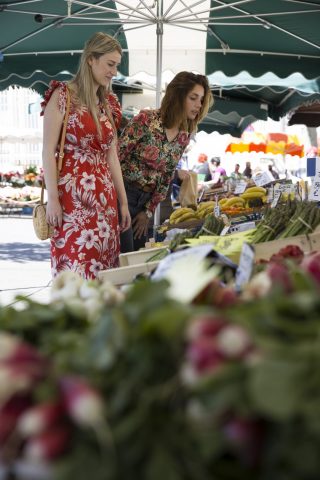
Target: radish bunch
x,y
40,432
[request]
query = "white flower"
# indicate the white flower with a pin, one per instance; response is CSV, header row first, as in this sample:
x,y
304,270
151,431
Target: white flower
x,y
233,341
96,267
104,229
88,181
87,239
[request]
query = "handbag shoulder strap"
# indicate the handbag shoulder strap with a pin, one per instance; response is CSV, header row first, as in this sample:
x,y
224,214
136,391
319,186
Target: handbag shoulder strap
x,y
64,129
62,141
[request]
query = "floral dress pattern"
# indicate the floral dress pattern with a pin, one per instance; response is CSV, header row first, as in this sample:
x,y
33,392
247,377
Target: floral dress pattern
x,y
88,240
146,155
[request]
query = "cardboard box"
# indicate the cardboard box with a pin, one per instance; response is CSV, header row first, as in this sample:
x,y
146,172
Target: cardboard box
x,y
125,275
141,256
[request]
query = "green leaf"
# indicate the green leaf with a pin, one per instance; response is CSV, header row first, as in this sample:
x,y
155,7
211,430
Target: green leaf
x,y
275,387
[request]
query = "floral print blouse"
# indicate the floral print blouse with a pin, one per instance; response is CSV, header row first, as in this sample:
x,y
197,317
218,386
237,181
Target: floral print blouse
x,y
146,155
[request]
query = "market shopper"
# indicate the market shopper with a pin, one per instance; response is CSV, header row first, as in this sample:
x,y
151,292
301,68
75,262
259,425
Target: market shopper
x,y
273,172
216,175
247,172
152,144
83,206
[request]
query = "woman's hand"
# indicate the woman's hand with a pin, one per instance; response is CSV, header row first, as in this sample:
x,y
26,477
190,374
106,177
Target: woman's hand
x,y
54,213
125,218
140,225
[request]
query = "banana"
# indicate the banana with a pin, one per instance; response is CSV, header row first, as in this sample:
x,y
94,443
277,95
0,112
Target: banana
x,y
179,212
233,201
205,205
256,189
247,195
185,217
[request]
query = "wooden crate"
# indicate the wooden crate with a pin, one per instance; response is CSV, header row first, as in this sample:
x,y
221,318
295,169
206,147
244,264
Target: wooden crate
x,y
188,225
126,275
141,256
263,251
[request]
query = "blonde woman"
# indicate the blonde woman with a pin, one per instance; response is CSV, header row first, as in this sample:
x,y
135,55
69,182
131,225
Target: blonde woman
x,y
152,144
82,202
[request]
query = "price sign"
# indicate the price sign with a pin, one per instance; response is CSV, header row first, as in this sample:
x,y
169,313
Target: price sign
x,y
225,230
245,266
315,189
241,185
262,179
270,194
216,211
276,197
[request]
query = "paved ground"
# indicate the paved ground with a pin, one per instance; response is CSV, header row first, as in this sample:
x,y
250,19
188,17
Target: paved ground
x,y
24,261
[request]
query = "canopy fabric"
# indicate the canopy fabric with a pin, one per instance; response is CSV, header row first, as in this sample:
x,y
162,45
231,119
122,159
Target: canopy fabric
x,y
279,96
253,38
307,114
259,36
45,35
272,143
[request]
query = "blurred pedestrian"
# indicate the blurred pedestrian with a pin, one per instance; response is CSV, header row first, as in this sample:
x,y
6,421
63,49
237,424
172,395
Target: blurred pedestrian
x,y
247,172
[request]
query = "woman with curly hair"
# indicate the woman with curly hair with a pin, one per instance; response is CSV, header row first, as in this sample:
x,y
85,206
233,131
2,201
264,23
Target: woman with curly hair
x,y
151,145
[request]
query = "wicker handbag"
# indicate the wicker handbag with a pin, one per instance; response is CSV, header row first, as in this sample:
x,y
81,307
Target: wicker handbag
x,y
41,227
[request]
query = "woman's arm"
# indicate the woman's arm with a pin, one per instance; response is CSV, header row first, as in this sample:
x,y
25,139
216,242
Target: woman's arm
x,y
117,178
52,123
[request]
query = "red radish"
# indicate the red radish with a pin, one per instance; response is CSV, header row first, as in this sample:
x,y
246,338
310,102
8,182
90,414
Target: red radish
x,y
204,355
49,444
82,402
39,418
10,413
14,350
206,325
311,264
225,297
279,274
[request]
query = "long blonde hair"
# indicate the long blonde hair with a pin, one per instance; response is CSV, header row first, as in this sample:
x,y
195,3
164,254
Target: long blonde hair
x,y
173,103
82,86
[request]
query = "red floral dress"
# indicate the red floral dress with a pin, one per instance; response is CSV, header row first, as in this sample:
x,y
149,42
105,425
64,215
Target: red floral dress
x,y
88,240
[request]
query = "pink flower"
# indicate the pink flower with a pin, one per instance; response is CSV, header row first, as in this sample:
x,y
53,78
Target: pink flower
x,y
183,139
151,153
142,118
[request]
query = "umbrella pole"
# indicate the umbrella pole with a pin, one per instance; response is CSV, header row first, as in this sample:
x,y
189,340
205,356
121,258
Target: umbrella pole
x,y
159,78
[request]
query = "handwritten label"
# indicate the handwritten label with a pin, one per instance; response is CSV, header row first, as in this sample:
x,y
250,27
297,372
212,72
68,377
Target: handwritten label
x,y
169,262
262,179
244,270
242,227
276,197
315,186
216,211
225,230
241,185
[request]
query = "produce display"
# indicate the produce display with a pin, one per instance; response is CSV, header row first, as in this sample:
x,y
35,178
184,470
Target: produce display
x,y
148,387
288,220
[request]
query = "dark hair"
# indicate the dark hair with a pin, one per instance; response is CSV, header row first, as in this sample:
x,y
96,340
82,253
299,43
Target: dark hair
x,y
172,108
215,159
